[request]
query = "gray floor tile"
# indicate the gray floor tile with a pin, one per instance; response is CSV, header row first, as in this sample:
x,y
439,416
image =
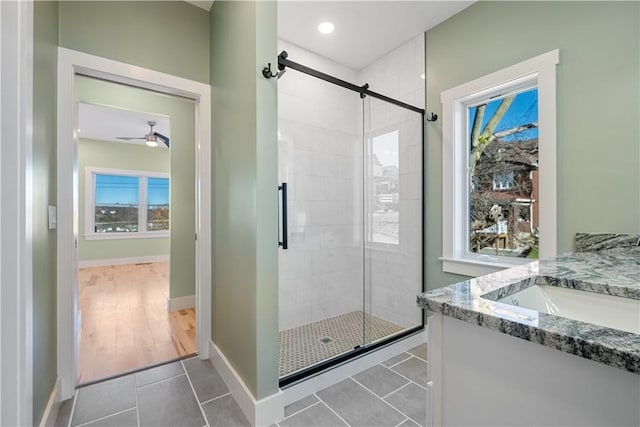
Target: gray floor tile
x,y
408,423
169,403
294,407
205,379
396,359
224,412
315,416
414,369
158,373
359,407
105,398
380,380
64,412
123,419
420,351
411,401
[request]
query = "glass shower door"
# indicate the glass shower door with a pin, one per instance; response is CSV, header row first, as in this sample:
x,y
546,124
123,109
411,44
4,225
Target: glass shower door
x,y
350,275
392,206
320,159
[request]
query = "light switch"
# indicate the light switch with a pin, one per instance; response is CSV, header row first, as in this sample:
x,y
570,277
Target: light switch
x,y
53,218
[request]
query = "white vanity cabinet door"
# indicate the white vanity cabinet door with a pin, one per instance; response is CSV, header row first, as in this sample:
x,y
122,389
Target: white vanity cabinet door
x,y
482,377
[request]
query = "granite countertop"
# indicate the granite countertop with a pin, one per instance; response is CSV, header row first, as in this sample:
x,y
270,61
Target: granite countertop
x,y
608,272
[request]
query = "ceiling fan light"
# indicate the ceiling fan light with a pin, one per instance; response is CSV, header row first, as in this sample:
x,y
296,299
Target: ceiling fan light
x,y
152,143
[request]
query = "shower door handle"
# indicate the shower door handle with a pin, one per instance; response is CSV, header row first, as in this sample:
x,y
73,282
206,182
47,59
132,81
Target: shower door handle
x,y
285,225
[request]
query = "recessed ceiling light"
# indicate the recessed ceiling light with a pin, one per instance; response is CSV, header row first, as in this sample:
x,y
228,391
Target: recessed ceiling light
x,y
326,27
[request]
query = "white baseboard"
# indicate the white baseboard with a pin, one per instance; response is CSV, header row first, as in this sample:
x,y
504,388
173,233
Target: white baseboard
x,y
263,412
311,385
181,303
53,405
122,261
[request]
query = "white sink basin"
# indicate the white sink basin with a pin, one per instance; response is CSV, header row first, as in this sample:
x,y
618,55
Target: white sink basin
x,y
604,310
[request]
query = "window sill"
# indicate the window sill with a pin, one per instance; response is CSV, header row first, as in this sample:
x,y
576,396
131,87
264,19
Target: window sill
x,y
475,267
120,236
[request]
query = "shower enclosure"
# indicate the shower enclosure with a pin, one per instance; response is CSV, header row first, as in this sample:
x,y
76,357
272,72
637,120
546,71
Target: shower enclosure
x,y
350,266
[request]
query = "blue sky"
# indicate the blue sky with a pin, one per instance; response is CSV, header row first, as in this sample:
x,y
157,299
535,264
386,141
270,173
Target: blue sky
x,y
123,190
523,110
157,191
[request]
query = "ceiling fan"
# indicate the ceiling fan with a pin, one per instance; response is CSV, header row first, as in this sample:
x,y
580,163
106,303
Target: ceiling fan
x,y
151,138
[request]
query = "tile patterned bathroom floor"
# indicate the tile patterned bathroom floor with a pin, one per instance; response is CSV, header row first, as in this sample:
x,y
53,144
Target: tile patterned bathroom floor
x,y
388,394
192,393
301,347
184,393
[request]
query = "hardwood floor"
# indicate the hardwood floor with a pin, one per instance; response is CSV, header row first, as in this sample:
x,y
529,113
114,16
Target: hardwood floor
x,y
125,323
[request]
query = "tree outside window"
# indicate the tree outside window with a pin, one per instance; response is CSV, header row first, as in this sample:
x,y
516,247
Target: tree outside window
x,y
503,175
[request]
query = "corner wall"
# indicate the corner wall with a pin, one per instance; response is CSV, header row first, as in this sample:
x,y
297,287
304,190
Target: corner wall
x,y
598,98
245,196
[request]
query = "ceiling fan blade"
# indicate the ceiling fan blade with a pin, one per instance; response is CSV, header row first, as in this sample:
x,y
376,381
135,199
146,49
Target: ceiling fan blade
x,y
129,138
163,138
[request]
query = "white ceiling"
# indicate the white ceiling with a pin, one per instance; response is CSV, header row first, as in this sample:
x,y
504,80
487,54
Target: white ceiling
x,y
107,123
364,30
204,4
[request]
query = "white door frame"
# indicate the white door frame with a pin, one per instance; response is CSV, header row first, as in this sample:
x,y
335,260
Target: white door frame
x,y
70,63
16,211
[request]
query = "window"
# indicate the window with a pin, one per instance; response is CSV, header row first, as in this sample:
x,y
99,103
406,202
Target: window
x,y
385,191
503,181
499,168
157,204
126,204
116,203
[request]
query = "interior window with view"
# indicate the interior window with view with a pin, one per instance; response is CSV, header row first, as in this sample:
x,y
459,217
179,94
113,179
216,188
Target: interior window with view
x,y
116,203
131,203
157,204
503,175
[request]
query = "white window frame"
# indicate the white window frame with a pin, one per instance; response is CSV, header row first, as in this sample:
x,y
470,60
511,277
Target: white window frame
x,y
541,72
90,201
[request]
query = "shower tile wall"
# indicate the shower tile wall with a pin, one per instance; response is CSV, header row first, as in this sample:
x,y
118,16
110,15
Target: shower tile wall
x,y
319,149
394,271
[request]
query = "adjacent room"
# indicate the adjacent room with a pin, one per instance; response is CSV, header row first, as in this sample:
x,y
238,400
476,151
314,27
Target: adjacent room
x,y
136,294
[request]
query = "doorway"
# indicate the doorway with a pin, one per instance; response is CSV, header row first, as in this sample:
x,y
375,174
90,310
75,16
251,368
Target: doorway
x,y
194,233
136,212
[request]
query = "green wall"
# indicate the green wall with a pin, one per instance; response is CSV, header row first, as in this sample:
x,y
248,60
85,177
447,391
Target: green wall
x,y
113,155
167,36
245,197
598,96
175,41
45,58
181,113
